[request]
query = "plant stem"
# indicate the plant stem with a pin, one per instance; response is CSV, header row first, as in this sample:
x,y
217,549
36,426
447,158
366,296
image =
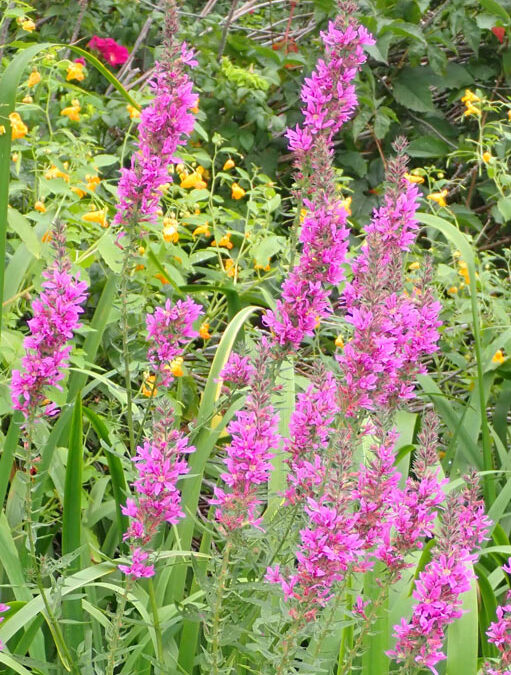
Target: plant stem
x,y
156,621
114,640
215,627
62,649
125,348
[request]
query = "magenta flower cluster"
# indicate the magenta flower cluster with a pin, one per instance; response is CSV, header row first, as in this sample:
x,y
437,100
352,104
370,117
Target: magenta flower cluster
x,y
56,316
392,329
499,634
440,585
160,463
330,100
249,454
168,328
164,125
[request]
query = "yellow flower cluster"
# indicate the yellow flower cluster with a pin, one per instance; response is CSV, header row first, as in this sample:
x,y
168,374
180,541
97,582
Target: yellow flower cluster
x,y
469,99
72,111
75,72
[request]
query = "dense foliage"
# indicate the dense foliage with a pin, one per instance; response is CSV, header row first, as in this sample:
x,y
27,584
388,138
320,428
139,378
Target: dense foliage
x,y
254,337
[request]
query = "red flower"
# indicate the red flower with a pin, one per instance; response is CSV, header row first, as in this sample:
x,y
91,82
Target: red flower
x,y
109,49
499,33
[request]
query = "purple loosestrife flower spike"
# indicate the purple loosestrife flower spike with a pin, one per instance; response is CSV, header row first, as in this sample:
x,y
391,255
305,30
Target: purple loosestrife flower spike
x,y
443,580
254,436
164,125
309,435
168,328
392,330
330,100
160,463
47,349
499,634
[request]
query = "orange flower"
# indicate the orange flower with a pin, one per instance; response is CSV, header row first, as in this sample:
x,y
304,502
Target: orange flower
x,y
176,367
194,180
47,236
498,357
195,108
486,157
27,99
452,290
204,331
34,78
75,72
39,206
161,277
411,178
202,229
471,110
134,113
148,389
438,197
339,342
72,111
469,97
463,271
18,128
170,233
92,182
229,164
225,242
78,191
237,191
14,157
230,268
55,172
99,217
27,25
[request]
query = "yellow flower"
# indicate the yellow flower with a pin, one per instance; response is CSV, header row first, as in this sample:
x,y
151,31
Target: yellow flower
x,y
509,114
230,267
170,233
202,229
469,97
266,267
498,357
471,110
346,203
78,191
176,366
225,241
204,331
195,108
203,172
486,157
75,72
456,254
237,191
2,129
452,290
229,164
39,206
134,113
303,213
194,180
161,277
47,236
92,182
72,111
339,342
55,172
99,217
148,388
438,197
414,266
28,25
27,99
463,271
414,179
34,78
14,157
18,128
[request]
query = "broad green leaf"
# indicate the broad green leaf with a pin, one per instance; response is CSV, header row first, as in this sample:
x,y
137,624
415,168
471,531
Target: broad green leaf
x,y
462,637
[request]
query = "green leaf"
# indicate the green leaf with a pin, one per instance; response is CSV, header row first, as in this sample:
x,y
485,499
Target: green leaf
x,y
504,206
72,521
462,637
376,643
19,224
427,146
411,90
9,83
496,8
